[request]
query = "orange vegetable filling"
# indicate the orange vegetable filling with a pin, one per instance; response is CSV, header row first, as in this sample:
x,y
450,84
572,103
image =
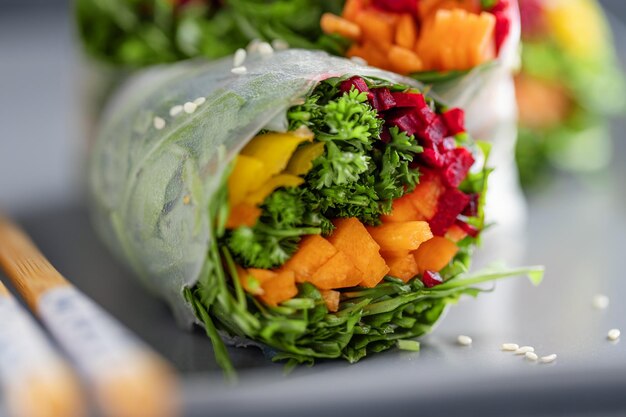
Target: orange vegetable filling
x,y
444,35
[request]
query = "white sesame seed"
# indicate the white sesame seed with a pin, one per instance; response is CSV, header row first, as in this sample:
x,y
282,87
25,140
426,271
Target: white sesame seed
x,y
239,70
174,111
614,334
531,356
524,349
464,340
280,45
358,60
190,107
199,101
158,123
253,46
509,347
549,358
265,49
240,57
600,301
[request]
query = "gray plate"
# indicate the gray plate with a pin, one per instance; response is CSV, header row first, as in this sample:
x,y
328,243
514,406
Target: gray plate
x,y
578,230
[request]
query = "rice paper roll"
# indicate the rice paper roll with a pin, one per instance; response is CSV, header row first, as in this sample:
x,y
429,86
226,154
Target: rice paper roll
x,y
279,207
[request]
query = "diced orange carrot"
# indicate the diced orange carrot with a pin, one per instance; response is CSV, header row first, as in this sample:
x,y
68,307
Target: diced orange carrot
x,y
403,267
262,275
377,26
313,252
352,8
428,7
455,233
279,288
482,46
386,254
371,53
249,282
401,236
338,272
435,254
402,210
331,23
406,32
426,195
352,238
243,215
404,61
331,298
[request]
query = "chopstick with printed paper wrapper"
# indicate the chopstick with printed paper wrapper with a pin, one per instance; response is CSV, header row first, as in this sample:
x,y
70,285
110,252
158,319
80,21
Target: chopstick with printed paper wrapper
x,y
36,381
127,378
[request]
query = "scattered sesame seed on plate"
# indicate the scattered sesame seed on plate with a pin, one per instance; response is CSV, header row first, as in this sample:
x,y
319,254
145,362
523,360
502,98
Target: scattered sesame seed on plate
x,y
158,123
509,347
199,101
239,70
524,349
190,107
464,340
549,358
280,45
614,334
600,301
531,356
240,57
265,49
175,110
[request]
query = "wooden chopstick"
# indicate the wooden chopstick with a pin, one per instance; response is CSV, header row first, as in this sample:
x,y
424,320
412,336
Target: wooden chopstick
x,y
36,381
128,379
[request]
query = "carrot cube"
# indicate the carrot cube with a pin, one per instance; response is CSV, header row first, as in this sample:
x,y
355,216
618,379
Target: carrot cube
x,y
401,236
313,252
279,288
455,233
435,254
402,210
335,24
243,215
352,238
331,298
377,26
403,267
426,195
406,31
404,61
338,272
353,8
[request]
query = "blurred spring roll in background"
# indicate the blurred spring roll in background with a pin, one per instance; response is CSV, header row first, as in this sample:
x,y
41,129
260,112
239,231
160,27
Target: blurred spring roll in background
x,y
309,205
569,84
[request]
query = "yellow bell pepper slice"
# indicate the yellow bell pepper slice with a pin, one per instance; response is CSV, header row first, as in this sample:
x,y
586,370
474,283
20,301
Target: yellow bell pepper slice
x,y
302,160
248,175
274,150
277,181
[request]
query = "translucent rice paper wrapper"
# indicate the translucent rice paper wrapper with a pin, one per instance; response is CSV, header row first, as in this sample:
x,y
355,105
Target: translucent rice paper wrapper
x,y
151,188
487,94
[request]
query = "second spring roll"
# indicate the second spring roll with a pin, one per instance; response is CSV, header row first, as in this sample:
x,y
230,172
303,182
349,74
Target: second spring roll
x,y
308,205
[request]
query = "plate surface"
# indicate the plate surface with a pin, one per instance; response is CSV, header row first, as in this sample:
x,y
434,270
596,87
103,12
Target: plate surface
x,y
577,229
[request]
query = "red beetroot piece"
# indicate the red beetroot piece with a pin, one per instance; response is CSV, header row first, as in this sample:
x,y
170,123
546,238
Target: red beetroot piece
x,y
472,207
461,160
397,6
503,22
405,119
431,279
449,206
455,121
384,99
467,228
408,99
432,135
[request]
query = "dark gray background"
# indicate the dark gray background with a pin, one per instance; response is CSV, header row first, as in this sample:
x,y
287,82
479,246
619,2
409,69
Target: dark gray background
x,y
577,229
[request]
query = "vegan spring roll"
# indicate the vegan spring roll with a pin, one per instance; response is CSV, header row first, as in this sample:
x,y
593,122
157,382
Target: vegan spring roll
x,y
309,205
569,85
